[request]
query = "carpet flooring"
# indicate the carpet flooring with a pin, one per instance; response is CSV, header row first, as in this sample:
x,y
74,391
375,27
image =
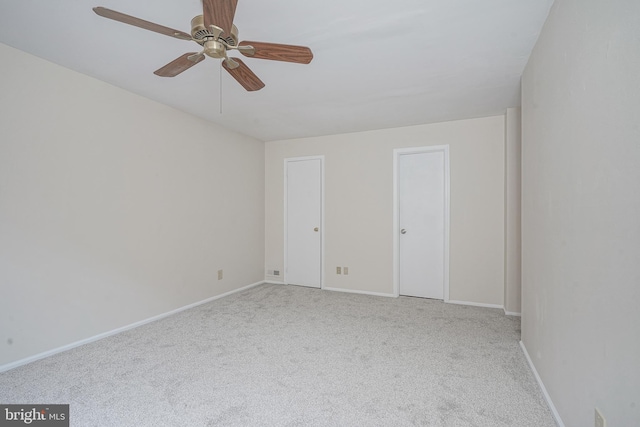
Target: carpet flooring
x,y
277,355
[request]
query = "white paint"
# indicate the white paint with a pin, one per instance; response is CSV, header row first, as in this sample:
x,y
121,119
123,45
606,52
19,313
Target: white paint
x,y
545,393
303,221
512,313
103,335
377,64
421,213
474,304
421,210
359,204
351,291
581,210
114,208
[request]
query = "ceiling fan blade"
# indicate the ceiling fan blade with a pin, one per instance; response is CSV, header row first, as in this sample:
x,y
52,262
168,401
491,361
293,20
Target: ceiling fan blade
x,y
179,65
121,17
219,13
277,52
244,75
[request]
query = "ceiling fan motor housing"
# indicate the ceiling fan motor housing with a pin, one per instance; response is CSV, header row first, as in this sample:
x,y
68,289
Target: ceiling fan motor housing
x,y
202,34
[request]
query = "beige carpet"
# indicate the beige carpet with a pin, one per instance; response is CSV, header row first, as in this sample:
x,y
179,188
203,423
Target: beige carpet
x,y
279,355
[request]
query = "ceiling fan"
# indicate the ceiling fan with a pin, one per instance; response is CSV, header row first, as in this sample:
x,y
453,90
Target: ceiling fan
x,y
215,32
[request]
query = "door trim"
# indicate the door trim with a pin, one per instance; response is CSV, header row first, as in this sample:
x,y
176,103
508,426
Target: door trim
x,y
396,212
286,224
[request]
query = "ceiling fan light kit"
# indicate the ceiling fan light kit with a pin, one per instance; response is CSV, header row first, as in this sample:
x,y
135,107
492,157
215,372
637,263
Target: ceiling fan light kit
x,y
215,33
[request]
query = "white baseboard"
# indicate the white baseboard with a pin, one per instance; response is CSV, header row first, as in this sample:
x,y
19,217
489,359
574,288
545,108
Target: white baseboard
x,y
475,304
554,411
273,282
353,291
75,344
512,313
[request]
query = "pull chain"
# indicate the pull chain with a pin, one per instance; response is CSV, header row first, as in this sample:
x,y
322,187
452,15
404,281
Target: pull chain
x,y
221,86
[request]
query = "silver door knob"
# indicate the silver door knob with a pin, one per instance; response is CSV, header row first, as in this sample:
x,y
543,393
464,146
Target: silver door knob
x,y
315,229
403,231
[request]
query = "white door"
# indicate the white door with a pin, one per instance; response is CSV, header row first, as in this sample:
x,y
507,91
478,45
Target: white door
x,y
303,221
421,221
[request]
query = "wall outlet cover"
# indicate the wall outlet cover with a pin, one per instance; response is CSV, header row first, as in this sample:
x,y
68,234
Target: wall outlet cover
x,y
338,270
219,274
345,270
600,421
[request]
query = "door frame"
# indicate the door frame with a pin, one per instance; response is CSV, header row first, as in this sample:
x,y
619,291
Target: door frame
x,y
286,223
396,212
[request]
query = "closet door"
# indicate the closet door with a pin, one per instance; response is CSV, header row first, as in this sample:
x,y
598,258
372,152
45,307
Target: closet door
x,y
303,221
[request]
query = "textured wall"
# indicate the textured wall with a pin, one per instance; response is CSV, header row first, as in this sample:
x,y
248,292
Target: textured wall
x,y
581,210
359,204
513,202
113,208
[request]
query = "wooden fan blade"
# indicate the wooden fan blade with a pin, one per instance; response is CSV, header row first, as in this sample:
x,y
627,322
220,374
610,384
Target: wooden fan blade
x,y
178,65
244,75
278,52
219,13
121,17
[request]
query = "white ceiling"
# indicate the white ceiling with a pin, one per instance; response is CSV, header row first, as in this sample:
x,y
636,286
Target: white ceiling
x,y
377,63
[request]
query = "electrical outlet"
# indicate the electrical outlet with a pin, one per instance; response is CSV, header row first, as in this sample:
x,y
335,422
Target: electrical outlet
x,y
345,270
600,421
219,274
276,272
338,270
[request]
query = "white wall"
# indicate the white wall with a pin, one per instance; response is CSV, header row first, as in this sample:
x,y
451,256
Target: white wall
x,y
513,201
113,208
359,204
581,210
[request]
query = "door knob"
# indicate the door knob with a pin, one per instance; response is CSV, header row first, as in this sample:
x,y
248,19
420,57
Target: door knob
x,y
315,229
403,231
